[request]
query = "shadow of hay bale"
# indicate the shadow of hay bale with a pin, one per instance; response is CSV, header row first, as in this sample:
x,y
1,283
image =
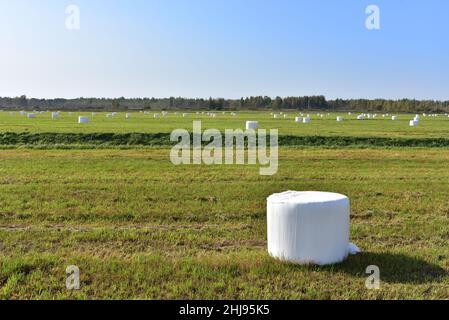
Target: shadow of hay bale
x,y
394,268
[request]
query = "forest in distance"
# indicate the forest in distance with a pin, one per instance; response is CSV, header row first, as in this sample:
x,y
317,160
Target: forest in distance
x,y
248,103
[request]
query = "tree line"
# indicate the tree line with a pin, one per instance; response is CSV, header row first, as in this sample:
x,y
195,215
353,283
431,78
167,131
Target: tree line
x,y
249,103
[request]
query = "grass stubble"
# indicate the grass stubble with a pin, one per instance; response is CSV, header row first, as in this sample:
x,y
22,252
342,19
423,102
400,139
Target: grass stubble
x,y
139,227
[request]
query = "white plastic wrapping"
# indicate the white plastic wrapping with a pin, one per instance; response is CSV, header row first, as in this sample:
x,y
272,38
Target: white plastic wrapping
x,y
309,227
83,120
306,120
252,125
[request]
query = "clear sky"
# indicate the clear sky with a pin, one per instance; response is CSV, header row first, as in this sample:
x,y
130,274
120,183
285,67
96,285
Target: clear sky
x,y
225,48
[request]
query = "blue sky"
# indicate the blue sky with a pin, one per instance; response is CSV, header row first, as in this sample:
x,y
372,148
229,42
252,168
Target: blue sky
x,y
225,48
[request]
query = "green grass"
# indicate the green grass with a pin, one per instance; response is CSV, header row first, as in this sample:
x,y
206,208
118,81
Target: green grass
x,y
52,140
435,127
139,227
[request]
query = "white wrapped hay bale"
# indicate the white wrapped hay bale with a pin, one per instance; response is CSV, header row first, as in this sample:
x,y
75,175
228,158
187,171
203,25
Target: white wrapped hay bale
x,y
339,119
361,117
298,119
306,120
185,115
414,123
254,125
309,227
55,115
156,115
394,118
128,116
82,120
275,116
31,115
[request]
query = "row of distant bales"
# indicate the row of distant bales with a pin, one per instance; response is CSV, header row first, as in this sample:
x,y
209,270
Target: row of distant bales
x,y
302,118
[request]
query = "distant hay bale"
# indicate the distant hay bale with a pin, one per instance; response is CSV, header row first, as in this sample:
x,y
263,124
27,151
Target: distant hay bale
x,y
414,123
82,120
252,125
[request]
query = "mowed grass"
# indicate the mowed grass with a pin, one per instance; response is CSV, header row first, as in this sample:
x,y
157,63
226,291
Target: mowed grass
x,y
430,127
139,227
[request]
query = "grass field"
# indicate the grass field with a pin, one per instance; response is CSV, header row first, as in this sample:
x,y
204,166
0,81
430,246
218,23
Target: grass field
x,y
139,227
430,127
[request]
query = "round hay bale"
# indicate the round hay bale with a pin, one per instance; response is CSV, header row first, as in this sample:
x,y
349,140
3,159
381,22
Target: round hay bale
x,y
309,227
254,125
82,120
